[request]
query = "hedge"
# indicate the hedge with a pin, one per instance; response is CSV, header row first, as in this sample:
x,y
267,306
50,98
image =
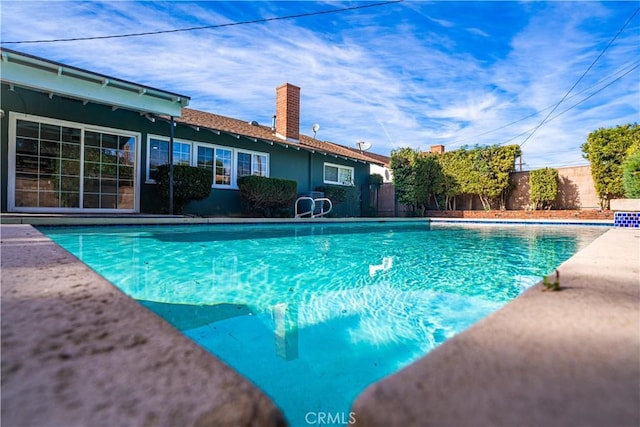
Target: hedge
x,y
189,183
267,195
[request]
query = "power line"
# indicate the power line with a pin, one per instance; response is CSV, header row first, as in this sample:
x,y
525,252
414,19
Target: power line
x,y
632,66
205,27
581,77
574,105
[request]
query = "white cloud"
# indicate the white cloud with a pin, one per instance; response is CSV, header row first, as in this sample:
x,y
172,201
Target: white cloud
x,y
394,76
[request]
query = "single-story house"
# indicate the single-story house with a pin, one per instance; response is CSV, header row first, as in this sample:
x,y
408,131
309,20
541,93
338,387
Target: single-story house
x,y
76,141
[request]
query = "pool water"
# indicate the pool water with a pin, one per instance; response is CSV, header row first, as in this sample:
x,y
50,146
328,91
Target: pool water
x,y
312,314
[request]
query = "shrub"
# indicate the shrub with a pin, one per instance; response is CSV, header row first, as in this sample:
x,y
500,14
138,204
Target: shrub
x,y
376,180
543,188
631,175
606,150
266,195
189,183
346,197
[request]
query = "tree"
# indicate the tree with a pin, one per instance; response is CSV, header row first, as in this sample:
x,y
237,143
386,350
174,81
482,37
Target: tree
x,y
606,150
491,170
631,175
429,180
404,174
455,168
543,188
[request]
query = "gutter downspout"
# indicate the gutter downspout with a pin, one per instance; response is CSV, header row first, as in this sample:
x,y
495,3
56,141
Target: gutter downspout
x,y
172,124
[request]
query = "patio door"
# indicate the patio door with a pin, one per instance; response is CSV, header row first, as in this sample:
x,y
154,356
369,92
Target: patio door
x,y
61,166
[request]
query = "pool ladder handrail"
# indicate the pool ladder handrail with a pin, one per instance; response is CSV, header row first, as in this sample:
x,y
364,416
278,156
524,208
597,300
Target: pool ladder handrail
x,y
313,207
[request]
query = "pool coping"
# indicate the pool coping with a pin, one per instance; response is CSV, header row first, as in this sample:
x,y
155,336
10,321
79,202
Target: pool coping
x,y
76,351
141,219
74,392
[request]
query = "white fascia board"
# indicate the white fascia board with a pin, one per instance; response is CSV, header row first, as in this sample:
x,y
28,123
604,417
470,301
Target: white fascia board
x,y
92,91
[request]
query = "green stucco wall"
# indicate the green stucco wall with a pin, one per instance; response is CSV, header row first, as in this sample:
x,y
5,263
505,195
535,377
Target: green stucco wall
x,y
302,166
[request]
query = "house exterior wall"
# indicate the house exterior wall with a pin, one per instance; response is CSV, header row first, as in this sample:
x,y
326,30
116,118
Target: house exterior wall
x,y
288,163
20,100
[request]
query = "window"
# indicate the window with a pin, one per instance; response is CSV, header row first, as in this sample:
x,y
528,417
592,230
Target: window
x,y
158,154
225,163
222,174
57,165
251,164
337,174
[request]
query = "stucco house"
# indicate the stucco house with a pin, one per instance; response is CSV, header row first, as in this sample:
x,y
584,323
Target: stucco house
x,y
76,141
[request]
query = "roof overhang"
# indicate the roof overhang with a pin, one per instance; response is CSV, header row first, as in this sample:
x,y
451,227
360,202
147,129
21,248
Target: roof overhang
x,y
40,74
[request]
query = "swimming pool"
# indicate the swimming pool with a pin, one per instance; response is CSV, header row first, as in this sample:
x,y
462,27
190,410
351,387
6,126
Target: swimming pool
x,y
312,314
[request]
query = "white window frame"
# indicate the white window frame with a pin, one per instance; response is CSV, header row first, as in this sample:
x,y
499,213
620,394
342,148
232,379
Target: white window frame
x,y
11,163
252,153
324,174
165,139
193,161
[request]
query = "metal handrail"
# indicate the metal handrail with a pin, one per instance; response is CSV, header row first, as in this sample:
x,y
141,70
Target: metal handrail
x,y
310,213
322,211
313,207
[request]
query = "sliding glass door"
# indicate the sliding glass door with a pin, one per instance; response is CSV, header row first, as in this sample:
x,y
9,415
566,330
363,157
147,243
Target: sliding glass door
x,y
61,166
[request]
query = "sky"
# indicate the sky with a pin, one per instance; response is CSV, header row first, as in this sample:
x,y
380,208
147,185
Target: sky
x,y
403,74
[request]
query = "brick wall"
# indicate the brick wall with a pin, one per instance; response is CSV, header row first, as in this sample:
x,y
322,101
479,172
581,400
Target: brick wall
x,y
288,111
521,214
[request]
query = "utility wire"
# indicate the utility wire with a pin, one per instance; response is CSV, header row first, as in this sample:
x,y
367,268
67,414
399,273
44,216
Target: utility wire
x,y
634,65
581,77
206,27
573,106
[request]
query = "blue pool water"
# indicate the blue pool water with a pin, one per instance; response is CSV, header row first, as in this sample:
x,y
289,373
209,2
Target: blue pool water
x,y
312,314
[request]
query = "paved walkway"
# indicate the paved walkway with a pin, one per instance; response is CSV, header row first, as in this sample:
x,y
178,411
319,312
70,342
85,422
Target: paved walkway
x,y
568,358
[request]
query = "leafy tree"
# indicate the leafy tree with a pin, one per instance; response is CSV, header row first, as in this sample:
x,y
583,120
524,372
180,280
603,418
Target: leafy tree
x,y
429,181
491,170
457,177
189,183
606,150
404,174
631,175
543,188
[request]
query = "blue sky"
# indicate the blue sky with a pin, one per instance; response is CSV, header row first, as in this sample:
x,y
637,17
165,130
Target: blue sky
x,y
409,74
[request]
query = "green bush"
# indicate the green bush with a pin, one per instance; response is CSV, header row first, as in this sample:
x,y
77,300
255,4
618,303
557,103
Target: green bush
x,y
543,188
631,175
267,195
376,180
345,199
606,150
189,183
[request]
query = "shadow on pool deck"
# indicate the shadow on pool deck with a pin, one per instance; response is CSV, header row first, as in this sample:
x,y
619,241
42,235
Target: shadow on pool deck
x,y
77,352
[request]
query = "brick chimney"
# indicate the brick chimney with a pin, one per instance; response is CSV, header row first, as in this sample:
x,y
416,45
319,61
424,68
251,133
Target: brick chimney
x,y
438,149
288,112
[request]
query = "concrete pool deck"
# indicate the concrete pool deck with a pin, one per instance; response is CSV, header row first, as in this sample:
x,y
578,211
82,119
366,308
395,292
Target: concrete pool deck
x,y
76,351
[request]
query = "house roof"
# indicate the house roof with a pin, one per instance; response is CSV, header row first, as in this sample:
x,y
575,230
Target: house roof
x,y
256,132
24,70
379,158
